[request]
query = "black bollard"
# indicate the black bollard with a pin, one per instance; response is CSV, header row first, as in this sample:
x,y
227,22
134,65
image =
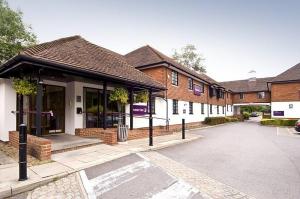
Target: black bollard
x,y
150,131
183,128
22,152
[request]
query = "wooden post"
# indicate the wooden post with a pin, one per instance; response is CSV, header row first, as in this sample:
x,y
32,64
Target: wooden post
x,y
131,109
39,104
150,120
104,105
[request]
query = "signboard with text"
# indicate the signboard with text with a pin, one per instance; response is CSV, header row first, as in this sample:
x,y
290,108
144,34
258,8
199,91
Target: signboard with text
x,y
140,109
278,113
198,89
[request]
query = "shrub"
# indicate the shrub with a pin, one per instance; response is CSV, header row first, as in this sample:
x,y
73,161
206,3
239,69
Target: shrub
x,y
219,120
279,122
246,115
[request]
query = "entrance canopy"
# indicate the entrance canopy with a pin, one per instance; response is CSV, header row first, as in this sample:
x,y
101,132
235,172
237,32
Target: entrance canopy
x,y
74,58
74,66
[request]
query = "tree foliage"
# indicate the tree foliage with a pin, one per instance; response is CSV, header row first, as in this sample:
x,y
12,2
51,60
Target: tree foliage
x,y
142,96
14,34
24,86
189,57
119,95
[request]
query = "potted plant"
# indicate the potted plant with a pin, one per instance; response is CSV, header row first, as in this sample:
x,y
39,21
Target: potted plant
x,y
23,87
120,96
142,97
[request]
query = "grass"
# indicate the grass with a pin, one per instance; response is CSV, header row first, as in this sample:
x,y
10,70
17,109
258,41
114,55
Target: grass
x,y
13,153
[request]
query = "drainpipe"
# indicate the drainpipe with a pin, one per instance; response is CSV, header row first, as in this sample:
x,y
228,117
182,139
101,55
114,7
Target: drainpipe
x,y
207,101
167,104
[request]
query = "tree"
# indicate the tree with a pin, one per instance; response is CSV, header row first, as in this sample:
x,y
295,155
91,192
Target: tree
x,y
14,34
189,57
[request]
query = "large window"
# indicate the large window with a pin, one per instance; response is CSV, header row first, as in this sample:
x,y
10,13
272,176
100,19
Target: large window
x,y
261,95
223,109
242,96
175,78
93,109
210,109
190,83
202,108
218,111
175,106
191,110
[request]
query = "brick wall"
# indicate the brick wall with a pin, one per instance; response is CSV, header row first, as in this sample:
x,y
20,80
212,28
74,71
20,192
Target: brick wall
x,y
108,136
181,92
36,146
251,98
285,92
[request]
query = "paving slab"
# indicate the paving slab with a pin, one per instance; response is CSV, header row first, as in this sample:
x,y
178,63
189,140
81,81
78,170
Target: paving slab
x,y
50,169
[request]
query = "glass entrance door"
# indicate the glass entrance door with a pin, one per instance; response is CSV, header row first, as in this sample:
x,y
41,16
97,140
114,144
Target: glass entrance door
x,y
53,111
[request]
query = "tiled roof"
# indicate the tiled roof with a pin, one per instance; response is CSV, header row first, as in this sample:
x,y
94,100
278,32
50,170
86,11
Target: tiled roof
x,y
291,74
147,55
75,52
260,84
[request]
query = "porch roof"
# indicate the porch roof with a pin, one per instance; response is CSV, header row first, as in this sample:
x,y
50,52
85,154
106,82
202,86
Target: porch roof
x,y
76,55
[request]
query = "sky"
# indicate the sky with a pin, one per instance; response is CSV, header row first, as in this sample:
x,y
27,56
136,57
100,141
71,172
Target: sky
x,y
234,36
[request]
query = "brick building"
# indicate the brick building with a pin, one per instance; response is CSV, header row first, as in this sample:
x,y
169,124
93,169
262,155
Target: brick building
x,y
189,94
285,94
252,91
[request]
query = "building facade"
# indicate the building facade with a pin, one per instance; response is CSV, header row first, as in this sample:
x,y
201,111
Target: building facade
x,y
189,95
75,78
285,94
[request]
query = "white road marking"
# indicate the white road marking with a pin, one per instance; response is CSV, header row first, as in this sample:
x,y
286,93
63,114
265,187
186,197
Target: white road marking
x,y
113,179
86,184
143,157
178,190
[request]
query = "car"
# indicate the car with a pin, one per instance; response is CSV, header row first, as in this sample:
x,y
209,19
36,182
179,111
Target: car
x,y
297,126
254,114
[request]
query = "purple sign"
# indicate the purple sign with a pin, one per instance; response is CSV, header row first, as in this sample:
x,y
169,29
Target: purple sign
x,y
198,89
278,113
140,109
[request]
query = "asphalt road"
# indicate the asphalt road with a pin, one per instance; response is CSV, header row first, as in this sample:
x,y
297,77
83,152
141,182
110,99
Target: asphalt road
x,y
263,162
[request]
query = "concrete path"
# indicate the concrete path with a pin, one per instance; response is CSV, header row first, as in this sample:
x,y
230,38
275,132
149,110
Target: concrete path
x,y
134,177
260,161
70,162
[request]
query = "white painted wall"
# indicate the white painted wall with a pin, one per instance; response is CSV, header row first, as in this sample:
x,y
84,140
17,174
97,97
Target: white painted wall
x,y
160,112
8,101
215,111
230,110
291,109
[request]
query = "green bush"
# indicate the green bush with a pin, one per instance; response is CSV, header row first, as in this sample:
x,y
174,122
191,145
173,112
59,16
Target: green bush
x,y
279,122
265,116
219,120
246,115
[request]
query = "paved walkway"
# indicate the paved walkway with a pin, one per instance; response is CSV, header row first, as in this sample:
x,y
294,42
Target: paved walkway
x,y
4,159
208,187
70,162
69,187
